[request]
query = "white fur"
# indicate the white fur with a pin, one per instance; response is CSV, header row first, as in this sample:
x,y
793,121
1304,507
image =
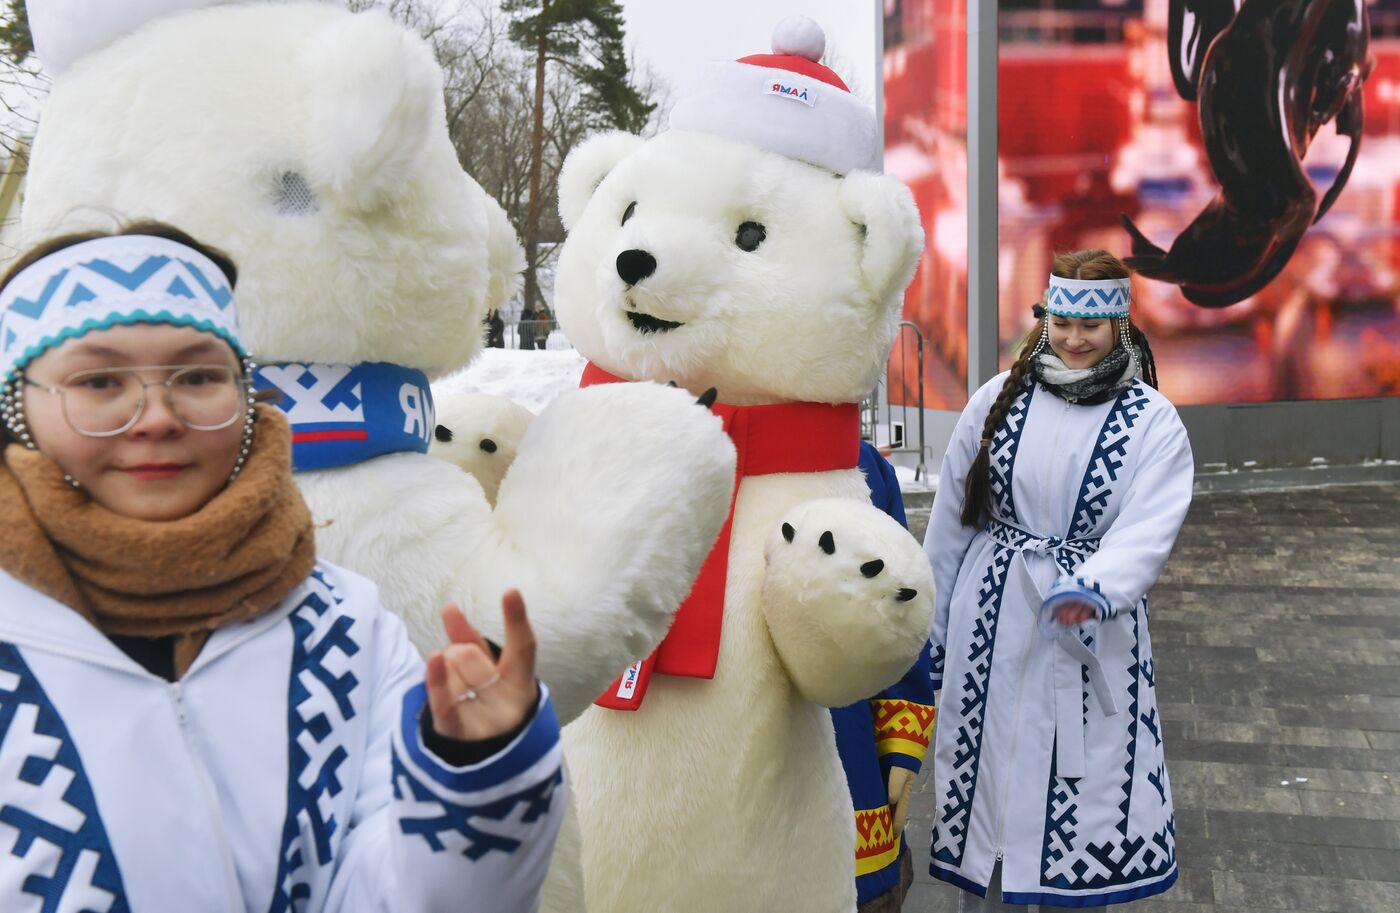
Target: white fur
x,y
586,167
66,30
602,542
834,655
367,151
473,419
728,795
800,35
614,495
202,110
836,131
195,118
743,311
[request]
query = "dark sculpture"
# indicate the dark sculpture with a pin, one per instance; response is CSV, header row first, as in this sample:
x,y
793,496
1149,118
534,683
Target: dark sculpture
x,y
1266,80
1191,26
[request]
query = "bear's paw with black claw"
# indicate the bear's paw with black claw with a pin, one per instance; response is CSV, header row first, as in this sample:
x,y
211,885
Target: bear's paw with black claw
x,y
869,569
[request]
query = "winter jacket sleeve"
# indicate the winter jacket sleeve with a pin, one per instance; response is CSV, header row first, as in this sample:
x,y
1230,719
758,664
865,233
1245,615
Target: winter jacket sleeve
x,y
904,716
427,836
1140,539
903,713
883,483
946,541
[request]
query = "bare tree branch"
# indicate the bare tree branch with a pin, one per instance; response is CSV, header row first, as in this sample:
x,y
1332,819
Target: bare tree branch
x,y
488,84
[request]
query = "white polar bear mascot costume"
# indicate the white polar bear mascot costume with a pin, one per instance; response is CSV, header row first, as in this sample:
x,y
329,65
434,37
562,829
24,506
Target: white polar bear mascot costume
x,y
310,144
750,249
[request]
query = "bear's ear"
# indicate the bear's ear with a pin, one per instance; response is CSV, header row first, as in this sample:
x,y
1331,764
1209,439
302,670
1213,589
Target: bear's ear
x,y
586,167
375,97
892,238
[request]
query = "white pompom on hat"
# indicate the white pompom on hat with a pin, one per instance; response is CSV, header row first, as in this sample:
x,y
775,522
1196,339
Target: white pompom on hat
x,y
785,102
67,30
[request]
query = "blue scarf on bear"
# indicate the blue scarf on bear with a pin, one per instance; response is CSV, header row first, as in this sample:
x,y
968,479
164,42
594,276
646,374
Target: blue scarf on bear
x,y
346,414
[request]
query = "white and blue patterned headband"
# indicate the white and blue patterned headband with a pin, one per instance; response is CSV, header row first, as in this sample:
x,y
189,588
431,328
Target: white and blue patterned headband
x,y
1088,298
107,282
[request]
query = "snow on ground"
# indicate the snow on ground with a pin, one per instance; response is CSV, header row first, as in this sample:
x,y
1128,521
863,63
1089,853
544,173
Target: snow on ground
x,y
530,378
907,482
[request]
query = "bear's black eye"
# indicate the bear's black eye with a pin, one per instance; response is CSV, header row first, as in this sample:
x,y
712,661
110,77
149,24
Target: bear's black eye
x,y
750,235
627,213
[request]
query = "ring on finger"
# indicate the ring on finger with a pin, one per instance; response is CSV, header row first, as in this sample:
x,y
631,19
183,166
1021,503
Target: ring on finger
x,y
474,691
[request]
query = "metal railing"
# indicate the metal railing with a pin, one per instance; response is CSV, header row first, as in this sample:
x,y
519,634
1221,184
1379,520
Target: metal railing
x,y
522,334
895,437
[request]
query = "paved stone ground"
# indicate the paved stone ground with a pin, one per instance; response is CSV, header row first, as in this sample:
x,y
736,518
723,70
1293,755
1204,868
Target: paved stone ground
x,y
1276,630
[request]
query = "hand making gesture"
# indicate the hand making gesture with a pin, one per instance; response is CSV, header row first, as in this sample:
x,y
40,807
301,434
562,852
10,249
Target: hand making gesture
x,y
472,696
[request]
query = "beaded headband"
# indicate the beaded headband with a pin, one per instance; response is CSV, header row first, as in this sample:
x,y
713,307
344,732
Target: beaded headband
x,y
1088,298
113,281
107,282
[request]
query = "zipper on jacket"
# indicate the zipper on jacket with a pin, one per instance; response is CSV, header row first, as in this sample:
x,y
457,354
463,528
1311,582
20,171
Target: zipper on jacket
x,y
177,697
211,802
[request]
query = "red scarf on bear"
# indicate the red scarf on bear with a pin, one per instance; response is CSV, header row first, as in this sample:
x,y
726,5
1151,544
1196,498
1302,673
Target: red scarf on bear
x,y
784,437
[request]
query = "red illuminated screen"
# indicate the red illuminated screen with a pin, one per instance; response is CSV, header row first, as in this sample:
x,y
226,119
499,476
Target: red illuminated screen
x,y
1092,127
925,79
1092,124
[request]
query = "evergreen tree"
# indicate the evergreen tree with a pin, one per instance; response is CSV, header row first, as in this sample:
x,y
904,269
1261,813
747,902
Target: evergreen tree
x,y
585,38
15,41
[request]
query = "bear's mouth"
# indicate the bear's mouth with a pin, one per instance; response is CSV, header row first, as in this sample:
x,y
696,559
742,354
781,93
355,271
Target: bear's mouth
x,y
645,323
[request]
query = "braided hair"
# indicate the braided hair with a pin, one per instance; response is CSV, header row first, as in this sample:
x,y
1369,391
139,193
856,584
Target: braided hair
x,y
1084,264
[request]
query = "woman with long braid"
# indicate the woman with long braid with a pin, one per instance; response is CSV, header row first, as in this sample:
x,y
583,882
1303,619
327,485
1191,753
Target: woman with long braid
x,y
1061,495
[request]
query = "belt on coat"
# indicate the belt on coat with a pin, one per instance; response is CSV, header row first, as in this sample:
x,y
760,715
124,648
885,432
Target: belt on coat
x,y
1073,653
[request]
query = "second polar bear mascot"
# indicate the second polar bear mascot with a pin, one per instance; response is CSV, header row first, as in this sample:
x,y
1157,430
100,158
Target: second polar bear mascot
x,y
750,249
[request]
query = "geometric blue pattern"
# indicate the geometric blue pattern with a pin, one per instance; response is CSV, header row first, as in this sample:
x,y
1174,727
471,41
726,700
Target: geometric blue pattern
x,y
106,282
129,279
343,414
321,641
1087,303
950,831
1067,862
34,308
47,799
1097,846
1006,441
939,654
1107,460
1067,553
1124,858
448,825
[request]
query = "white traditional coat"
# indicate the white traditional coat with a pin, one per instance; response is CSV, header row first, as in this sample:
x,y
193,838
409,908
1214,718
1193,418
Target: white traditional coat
x,y
1048,753
284,771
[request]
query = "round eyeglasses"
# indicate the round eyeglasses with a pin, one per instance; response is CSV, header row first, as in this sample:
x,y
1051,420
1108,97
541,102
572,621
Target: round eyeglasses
x,y
107,401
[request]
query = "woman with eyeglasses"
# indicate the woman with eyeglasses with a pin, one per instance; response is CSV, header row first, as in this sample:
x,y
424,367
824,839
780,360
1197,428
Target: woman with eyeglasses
x,y
1061,495
195,712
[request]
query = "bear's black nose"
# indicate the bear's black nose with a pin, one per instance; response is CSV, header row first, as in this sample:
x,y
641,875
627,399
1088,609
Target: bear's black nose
x,y
635,265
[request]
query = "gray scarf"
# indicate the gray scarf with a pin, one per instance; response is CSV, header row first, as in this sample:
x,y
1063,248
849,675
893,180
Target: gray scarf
x,y
1087,386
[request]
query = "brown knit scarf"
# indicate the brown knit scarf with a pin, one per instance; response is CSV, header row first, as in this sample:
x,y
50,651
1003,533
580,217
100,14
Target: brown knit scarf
x,y
229,561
